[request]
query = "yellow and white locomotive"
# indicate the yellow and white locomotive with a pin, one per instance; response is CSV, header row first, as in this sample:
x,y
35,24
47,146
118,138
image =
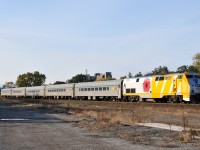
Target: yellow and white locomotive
x,y
171,87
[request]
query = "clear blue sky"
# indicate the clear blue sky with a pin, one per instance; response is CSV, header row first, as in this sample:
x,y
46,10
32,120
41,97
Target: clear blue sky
x,y
62,38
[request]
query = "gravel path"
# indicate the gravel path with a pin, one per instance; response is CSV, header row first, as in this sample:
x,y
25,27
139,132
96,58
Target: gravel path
x,y
46,132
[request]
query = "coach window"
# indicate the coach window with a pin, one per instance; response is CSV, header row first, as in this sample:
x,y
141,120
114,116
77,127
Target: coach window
x,y
88,89
92,89
85,89
96,89
107,88
100,89
137,80
104,88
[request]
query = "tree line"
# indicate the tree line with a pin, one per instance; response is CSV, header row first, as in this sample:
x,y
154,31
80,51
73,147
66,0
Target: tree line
x,y
37,79
162,70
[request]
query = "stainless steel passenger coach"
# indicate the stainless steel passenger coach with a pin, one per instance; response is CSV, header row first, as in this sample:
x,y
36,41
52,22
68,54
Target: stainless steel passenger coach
x,y
35,92
60,91
108,90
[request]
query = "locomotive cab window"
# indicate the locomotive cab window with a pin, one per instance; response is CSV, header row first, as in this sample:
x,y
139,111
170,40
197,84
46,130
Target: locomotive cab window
x,y
161,78
179,76
197,76
137,80
157,78
128,90
189,76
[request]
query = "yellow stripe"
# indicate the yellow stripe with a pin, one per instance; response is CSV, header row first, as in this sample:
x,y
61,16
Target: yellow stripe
x,y
168,85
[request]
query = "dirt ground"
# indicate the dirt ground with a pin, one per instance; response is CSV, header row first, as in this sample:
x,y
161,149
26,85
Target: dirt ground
x,y
110,121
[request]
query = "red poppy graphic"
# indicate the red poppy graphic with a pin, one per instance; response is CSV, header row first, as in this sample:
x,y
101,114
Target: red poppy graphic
x,y
146,85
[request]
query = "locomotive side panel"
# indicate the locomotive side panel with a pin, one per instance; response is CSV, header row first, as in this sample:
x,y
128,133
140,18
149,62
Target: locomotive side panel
x,y
135,88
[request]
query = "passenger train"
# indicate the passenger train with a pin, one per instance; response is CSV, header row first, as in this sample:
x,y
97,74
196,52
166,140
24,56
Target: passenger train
x,y
178,87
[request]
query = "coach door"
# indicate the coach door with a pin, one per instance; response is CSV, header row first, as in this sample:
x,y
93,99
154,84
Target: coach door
x,y
73,91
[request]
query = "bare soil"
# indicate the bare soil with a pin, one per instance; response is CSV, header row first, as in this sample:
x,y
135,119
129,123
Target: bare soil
x,y
117,120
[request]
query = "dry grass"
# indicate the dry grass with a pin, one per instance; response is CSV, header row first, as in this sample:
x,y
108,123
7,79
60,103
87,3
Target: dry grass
x,y
139,137
186,136
112,117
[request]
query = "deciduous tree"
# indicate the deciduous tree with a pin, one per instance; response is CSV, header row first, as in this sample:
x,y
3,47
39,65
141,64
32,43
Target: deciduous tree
x,y
182,69
8,85
30,79
139,74
196,61
192,68
79,78
59,82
